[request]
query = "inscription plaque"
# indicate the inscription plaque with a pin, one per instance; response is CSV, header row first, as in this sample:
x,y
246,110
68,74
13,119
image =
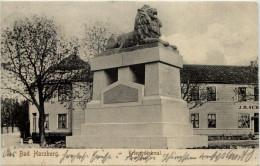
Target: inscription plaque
x,y
121,94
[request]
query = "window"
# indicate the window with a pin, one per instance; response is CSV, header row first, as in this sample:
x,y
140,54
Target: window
x,y
195,120
194,93
64,92
243,121
211,120
242,94
256,93
48,89
62,121
46,123
211,93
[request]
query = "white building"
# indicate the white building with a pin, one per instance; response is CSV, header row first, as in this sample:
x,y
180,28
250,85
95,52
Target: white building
x,y
228,99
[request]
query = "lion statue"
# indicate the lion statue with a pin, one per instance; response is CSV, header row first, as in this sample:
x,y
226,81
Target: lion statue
x,y
146,30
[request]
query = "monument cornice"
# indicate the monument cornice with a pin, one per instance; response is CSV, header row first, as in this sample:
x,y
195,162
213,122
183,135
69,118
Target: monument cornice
x,y
148,53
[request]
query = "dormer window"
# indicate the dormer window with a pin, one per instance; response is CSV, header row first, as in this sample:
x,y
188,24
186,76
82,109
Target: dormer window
x,y
211,93
242,94
194,94
256,93
64,92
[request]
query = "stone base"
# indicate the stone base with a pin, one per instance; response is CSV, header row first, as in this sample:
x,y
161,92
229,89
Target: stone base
x,y
158,123
137,142
136,129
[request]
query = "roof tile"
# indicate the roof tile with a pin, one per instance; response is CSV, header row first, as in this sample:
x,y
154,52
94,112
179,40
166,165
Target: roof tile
x,y
219,74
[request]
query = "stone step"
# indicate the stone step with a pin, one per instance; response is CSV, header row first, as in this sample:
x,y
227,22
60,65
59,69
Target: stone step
x,y
133,129
137,142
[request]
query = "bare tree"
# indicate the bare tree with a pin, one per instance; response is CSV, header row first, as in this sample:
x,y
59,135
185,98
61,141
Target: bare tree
x,y
32,51
95,38
93,43
195,94
8,108
248,90
82,80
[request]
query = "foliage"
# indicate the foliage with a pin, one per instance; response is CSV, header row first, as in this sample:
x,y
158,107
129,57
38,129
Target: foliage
x,y
58,144
21,118
14,113
230,146
8,107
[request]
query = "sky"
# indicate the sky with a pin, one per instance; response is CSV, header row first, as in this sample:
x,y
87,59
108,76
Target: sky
x,y
215,33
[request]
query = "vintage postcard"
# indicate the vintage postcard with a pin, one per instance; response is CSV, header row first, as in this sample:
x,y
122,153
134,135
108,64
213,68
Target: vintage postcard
x,y
129,83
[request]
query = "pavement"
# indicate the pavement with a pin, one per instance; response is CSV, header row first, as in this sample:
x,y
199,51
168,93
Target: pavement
x,y
13,140
235,142
228,141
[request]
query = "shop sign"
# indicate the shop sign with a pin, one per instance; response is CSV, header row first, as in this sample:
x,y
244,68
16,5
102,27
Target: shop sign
x,y
248,107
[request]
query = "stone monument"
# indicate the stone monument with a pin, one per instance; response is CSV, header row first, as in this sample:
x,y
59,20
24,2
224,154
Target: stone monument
x,y
137,98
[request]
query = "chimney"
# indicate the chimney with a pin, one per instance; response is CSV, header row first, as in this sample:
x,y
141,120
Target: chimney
x,y
253,64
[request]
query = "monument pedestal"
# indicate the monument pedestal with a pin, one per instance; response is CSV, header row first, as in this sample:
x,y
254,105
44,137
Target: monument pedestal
x,y
137,102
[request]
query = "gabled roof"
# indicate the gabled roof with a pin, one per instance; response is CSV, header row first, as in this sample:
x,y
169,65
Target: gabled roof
x,y
219,74
72,62
75,63
83,75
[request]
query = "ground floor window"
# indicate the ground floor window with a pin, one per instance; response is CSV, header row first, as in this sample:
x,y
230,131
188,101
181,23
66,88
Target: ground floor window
x,y
211,120
62,121
46,123
195,120
243,120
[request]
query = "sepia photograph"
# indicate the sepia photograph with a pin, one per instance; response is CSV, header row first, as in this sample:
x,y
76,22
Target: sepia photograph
x,y
129,83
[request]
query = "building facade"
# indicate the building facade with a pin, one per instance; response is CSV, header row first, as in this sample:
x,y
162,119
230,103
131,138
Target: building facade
x,y
70,95
223,100
59,111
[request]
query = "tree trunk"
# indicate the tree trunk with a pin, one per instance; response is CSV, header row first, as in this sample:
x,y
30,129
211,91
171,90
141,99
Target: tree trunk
x,y
41,117
41,125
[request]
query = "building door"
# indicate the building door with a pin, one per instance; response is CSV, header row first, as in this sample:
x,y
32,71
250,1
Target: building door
x,y
256,123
